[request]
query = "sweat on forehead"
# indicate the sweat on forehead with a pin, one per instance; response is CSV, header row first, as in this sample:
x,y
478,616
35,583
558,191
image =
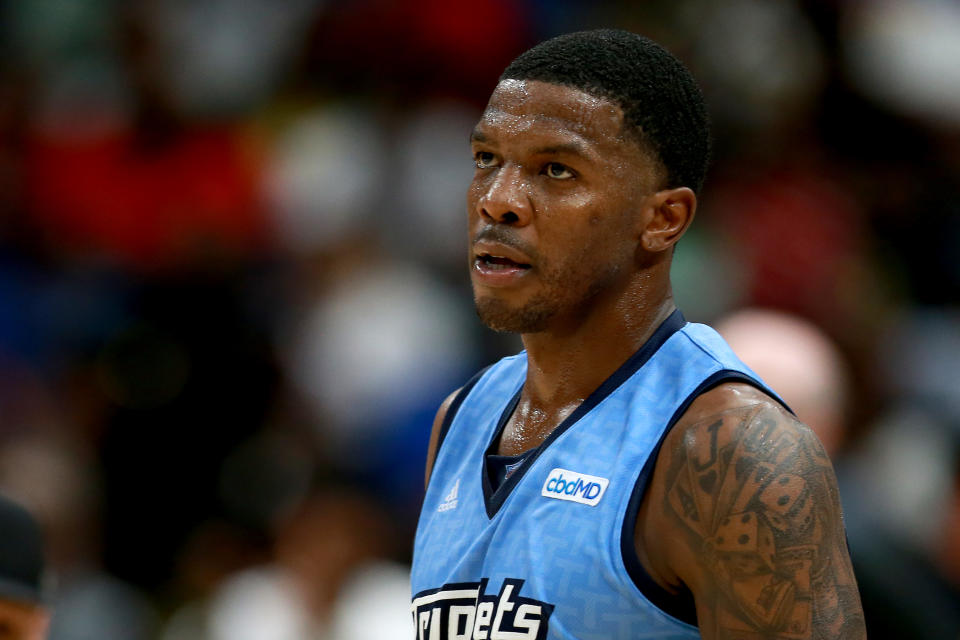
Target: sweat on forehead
x,y
660,100
514,105
526,120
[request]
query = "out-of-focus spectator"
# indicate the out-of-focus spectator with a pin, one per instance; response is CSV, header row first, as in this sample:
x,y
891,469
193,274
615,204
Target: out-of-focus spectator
x,y
372,603
150,205
23,612
768,81
318,579
898,491
800,239
372,357
54,477
800,361
900,483
323,177
904,53
431,175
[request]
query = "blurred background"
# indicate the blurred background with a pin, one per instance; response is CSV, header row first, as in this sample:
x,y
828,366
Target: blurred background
x,y
233,286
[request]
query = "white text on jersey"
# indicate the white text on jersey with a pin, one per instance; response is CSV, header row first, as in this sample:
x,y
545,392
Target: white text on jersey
x,y
463,612
564,484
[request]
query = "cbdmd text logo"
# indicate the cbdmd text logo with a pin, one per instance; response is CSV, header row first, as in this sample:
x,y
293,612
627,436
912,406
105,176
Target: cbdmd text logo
x,y
564,484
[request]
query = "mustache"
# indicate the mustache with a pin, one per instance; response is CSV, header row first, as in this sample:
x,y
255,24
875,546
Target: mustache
x,y
507,237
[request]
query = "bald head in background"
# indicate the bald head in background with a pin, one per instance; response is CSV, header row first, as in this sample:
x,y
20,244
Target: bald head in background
x,y
800,361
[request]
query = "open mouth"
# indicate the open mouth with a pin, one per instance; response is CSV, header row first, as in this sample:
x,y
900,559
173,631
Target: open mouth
x,y
498,263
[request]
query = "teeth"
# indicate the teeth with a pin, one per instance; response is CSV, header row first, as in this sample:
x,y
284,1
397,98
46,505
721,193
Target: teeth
x,y
500,263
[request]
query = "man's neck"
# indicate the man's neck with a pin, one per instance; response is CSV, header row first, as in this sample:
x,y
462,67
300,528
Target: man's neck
x,y
567,363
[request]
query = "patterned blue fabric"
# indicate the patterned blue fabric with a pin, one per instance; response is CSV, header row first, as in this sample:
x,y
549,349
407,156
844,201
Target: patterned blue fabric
x,y
534,561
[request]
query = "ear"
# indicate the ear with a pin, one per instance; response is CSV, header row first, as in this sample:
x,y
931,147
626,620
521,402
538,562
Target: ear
x,y
669,213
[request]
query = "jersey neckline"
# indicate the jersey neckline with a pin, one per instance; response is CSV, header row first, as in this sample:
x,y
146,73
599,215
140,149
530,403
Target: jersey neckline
x,y
494,499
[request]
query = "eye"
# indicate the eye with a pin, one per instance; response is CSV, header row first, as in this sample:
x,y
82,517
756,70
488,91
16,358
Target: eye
x,y
557,171
485,159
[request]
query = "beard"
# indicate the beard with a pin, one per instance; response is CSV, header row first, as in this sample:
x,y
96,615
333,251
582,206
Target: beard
x,y
567,286
563,294
532,317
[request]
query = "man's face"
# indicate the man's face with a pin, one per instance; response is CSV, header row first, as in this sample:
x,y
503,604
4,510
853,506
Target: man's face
x,y
22,621
552,205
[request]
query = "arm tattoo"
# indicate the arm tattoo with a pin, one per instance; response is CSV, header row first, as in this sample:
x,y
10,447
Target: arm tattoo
x,y
756,497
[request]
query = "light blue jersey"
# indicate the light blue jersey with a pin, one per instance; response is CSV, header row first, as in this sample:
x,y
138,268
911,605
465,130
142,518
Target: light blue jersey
x,y
549,554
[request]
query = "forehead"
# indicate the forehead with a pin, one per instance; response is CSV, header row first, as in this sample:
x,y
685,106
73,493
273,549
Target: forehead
x,y
525,108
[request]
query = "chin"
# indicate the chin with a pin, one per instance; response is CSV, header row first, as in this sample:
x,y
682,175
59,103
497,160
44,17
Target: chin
x,y
499,316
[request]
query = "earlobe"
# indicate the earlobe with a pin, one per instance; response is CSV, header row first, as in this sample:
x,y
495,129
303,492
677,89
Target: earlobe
x,y
670,213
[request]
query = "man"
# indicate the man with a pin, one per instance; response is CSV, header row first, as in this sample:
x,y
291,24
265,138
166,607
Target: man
x,y
626,476
22,613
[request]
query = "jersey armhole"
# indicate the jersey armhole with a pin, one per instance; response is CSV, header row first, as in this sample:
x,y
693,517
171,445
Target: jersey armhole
x,y
452,412
680,606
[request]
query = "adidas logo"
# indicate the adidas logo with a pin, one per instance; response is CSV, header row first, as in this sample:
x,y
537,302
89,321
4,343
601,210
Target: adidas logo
x,y
450,500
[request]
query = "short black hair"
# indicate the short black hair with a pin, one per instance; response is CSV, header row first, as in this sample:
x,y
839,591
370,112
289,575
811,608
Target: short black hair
x,y
661,101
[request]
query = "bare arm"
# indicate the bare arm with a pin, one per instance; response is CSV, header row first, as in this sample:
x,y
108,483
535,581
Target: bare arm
x,y
746,509
435,435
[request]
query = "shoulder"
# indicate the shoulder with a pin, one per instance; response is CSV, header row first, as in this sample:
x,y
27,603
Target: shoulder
x,y
744,503
731,411
729,453
438,422
505,372
691,470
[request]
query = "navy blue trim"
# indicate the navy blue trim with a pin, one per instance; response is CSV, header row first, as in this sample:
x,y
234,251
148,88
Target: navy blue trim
x,y
494,499
499,467
679,605
500,492
452,411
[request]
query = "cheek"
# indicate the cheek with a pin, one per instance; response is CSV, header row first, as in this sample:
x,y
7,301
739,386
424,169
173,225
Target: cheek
x,y
473,195
588,254
571,204
478,188
583,225
576,254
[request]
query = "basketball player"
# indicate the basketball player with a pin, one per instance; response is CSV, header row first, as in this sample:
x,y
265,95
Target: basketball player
x,y
626,476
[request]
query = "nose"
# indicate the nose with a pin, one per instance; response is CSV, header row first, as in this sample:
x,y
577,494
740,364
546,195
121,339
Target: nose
x,y
506,199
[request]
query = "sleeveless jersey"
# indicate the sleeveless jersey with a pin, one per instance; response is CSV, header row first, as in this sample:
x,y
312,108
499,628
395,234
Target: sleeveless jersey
x,y
550,553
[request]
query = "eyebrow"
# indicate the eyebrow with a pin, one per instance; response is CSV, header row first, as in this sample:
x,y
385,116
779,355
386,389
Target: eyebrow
x,y
572,148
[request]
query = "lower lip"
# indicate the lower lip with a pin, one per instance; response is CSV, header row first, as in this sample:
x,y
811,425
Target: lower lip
x,y
497,276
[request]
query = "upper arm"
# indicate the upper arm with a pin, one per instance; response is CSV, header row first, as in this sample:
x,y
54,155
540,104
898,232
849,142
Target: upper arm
x,y
438,421
745,507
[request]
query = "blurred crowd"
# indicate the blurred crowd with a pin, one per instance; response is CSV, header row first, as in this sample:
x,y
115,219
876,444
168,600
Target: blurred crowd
x,y
233,286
